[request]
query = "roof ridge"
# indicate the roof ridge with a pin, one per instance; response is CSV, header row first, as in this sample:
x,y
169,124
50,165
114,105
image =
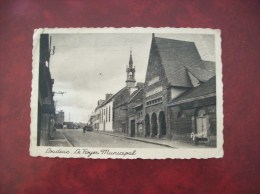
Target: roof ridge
x,y
110,97
174,39
187,69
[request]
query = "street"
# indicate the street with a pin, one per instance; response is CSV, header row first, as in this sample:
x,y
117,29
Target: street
x,y
93,139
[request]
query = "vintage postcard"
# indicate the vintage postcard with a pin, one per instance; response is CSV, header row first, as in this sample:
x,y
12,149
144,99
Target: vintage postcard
x,y
127,93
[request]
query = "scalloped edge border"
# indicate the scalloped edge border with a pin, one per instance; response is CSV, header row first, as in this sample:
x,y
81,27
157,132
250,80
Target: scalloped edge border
x,y
145,153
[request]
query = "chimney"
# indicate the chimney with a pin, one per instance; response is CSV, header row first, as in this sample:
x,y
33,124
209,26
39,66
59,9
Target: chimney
x,y
100,102
108,96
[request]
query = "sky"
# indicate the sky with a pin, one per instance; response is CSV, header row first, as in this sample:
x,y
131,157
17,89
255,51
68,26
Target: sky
x,y
87,66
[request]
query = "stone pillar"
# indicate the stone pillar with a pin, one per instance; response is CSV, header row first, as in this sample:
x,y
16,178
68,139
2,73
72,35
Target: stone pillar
x,y
193,124
159,134
151,128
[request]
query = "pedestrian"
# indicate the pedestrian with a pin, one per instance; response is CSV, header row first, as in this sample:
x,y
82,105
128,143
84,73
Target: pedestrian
x,y
84,129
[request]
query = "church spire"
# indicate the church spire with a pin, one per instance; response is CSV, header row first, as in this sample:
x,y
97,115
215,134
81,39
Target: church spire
x,y
130,60
130,73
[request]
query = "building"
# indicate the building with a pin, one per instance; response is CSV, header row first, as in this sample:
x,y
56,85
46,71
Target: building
x,y
174,67
111,114
97,115
60,119
106,114
122,98
46,108
135,114
194,112
92,119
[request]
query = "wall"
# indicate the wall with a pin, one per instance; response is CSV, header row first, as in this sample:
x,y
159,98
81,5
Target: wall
x,y
182,117
106,118
120,116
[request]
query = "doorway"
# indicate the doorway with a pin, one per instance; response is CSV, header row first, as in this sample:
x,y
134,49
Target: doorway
x,y
154,124
202,123
147,125
162,123
132,128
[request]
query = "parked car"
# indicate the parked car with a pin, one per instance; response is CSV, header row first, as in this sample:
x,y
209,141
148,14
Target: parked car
x,y
89,128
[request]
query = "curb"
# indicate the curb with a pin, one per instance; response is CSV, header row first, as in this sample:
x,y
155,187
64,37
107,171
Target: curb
x,y
141,140
156,143
67,140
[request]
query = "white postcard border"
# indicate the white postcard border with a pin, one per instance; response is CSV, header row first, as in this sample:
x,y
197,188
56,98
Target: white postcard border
x,y
126,153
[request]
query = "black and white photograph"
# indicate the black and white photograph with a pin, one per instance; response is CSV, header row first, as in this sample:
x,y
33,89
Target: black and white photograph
x,y
150,93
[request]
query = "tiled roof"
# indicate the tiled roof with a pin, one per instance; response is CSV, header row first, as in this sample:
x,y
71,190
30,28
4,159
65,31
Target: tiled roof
x,y
139,84
204,89
201,74
176,56
134,94
105,102
123,96
210,66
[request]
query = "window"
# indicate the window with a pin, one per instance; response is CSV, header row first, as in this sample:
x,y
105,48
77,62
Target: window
x,y
109,113
106,114
154,101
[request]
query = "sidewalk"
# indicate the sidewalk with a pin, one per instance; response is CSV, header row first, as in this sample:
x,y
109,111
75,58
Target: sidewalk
x,y
59,140
164,142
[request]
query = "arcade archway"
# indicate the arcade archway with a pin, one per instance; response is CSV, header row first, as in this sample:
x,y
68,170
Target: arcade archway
x,y
162,123
154,124
147,125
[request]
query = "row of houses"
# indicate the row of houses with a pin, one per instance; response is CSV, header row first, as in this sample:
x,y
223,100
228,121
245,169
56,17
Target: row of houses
x,y
46,107
177,100
48,119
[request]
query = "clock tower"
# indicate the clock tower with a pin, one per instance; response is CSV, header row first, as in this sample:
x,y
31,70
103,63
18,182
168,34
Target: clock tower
x,y
130,73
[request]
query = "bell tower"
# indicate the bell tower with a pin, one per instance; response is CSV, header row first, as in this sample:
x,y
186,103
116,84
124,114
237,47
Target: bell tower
x,y
130,73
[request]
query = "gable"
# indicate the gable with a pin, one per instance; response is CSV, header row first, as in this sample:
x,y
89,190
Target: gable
x,y
155,71
202,75
195,82
175,57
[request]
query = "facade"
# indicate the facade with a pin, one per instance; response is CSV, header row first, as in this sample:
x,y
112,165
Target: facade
x,y
96,119
194,113
135,114
102,119
46,108
106,116
111,115
91,119
97,115
60,119
174,67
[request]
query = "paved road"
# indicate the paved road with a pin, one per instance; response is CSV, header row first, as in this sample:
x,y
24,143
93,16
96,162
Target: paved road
x,y
91,139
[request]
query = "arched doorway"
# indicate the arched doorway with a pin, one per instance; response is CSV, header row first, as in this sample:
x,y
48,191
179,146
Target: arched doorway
x,y
147,125
154,125
202,123
162,123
